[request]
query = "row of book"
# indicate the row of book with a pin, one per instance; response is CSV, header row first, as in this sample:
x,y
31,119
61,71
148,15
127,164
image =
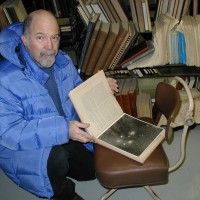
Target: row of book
x,y
105,44
174,43
131,100
116,11
166,46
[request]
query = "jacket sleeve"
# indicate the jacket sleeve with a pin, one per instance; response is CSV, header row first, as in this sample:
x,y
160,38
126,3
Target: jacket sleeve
x,y
19,133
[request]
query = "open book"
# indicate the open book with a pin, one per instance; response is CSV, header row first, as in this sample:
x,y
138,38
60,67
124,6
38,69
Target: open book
x,y
96,105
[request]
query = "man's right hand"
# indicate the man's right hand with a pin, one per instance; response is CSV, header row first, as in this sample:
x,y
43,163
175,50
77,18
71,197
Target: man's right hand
x,y
77,133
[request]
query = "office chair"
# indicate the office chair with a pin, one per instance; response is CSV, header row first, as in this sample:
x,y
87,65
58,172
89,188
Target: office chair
x,y
115,171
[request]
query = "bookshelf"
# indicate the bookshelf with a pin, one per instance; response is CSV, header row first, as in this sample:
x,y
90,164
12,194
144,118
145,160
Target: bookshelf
x,y
74,30
161,71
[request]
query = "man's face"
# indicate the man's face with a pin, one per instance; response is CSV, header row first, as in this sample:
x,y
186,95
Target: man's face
x,y
42,42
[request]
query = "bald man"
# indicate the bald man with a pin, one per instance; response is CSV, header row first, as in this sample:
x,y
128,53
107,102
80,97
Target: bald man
x,y
43,144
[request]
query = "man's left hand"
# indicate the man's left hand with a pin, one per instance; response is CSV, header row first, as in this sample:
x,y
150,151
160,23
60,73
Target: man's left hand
x,y
113,85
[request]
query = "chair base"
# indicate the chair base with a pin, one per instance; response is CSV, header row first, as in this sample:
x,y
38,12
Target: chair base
x,y
147,188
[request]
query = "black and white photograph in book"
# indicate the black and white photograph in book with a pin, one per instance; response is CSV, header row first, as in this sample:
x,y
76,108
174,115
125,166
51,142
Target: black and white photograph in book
x,y
131,135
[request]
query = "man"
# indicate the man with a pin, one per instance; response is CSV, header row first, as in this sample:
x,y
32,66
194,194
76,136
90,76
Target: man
x,y
42,142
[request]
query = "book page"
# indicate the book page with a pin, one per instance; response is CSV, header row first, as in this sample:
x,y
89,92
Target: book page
x,y
95,103
131,135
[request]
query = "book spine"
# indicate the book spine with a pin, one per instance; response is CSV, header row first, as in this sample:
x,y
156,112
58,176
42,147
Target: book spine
x,y
90,29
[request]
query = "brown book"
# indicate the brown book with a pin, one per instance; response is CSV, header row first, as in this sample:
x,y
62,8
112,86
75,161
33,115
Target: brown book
x,y
113,11
119,10
123,32
133,92
112,36
134,14
90,46
107,10
125,96
111,127
140,15
131,34
82,4
98,46
144,105
98,9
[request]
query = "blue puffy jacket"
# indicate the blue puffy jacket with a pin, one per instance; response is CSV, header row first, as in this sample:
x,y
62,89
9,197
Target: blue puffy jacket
x,y
29,122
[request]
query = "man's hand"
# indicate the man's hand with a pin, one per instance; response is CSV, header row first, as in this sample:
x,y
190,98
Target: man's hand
x,y
113,85
77,134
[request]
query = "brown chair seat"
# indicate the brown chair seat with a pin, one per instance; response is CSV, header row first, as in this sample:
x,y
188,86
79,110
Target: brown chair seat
x,y
117,171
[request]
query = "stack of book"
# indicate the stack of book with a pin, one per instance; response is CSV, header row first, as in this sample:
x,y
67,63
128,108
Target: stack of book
x,y
12,11
127,95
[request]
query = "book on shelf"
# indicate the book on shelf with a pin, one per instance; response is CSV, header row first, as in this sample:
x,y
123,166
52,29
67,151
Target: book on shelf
x,y
126,97
90,28
105,7
83,15
144,105
111,127
3,19
124,93
146,15
112,36
133,92
134,14
14,10
117,6
113,11
136,50
98,46
140,16
90,46
125,44
82,4
140,55
98,9
89,7
122,36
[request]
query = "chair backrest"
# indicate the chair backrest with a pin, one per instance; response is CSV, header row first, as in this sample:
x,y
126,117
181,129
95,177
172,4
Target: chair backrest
x,y
167,101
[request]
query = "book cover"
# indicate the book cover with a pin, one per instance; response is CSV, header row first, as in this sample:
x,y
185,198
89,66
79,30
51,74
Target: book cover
x,y
82,4
83,15
128,39
123,33
90,46
125,96
140,16
135,51
133,92
113,11
110,41
134,14
89,32
96,105
117,6
105,7
98,9
15,9
98,46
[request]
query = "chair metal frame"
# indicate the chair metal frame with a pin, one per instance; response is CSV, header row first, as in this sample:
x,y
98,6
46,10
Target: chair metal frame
x,y
187,123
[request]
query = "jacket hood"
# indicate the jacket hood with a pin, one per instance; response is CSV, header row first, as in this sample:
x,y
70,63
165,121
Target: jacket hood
x,y
10,38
